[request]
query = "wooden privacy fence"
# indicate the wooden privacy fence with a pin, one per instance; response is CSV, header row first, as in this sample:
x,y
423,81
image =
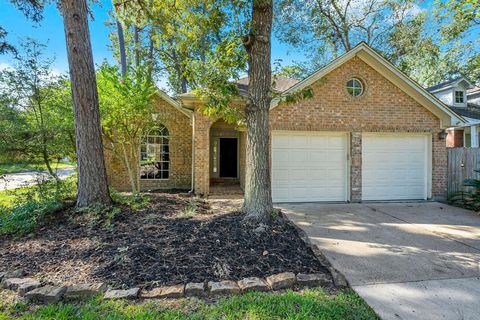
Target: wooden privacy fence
x,y
461,165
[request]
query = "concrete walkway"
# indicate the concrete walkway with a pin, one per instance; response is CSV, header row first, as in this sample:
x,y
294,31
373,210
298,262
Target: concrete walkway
x,y
24,179
407,260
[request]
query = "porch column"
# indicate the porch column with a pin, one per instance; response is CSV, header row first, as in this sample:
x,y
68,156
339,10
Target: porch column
x,y
201,131
474,136
356,167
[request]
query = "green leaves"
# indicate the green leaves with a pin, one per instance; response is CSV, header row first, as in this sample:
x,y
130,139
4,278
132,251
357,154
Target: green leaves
x,y
126,107
36,118
461,16
126,103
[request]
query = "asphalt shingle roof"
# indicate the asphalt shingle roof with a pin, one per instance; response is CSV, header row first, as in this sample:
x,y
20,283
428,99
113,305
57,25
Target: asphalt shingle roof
x,y
443,84
280,84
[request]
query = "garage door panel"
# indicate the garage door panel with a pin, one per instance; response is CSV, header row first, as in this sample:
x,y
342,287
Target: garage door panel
x,y
298,142
334,177
315,165
280,142
394,167
298,156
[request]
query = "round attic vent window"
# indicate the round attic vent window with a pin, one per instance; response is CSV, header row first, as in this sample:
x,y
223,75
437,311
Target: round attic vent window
x,y
355,87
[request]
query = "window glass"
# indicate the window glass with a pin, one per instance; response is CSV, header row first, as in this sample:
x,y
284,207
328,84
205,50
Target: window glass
x,y
459,97
354,87
155,154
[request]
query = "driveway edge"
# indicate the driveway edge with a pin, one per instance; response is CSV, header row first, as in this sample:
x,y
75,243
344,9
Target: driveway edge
x,y
338,278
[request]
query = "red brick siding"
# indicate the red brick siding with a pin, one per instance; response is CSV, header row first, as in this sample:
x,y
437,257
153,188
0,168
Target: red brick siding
x,y
455,139
180,131
383,107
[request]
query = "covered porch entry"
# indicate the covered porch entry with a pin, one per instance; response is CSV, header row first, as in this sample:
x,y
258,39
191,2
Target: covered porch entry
x,y
224,159
219,157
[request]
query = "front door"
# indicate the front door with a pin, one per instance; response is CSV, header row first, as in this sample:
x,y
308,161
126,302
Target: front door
x,y
228,157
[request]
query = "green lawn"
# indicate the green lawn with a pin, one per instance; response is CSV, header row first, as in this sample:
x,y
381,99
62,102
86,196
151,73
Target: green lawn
x,y
8,197
310,304
15,167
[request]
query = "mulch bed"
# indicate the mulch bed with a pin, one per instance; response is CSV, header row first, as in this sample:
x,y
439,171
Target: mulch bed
x,y
157,245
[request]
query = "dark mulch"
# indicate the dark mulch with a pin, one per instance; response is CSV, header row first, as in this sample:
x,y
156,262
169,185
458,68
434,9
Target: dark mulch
x,y
158,246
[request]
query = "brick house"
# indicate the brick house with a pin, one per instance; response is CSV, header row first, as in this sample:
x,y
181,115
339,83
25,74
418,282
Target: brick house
x,y
368,133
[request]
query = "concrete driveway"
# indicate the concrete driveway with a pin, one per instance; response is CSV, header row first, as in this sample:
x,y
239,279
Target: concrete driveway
x,y
407,260
11,181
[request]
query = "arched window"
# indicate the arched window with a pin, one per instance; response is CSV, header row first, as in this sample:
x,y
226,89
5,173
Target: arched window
x,y
155,154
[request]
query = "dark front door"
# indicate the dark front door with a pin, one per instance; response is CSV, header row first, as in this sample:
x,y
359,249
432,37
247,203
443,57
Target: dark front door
x,y
228,157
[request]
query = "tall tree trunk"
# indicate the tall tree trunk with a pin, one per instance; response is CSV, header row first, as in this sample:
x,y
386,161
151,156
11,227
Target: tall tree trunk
x,y
92,177
258,195
150,56
121,48
136,47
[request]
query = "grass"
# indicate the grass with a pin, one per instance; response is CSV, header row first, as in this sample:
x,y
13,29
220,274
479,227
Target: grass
x,y
15,167
310,304
8,197
190,209
22,210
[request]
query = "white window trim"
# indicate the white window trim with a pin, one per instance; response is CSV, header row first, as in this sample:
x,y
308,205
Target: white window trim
x,y
362,88
140,152
455,97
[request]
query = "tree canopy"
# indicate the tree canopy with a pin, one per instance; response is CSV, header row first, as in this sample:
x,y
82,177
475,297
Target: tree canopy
x,y
429,46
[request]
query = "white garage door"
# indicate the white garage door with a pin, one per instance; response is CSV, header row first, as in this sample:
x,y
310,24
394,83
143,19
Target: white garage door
x,y
309,167
394,167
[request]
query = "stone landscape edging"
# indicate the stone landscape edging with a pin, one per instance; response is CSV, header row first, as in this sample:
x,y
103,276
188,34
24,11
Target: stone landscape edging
x,y
33,291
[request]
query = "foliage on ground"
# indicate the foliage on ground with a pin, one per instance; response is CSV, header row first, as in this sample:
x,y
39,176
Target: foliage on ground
x,y
310,304
470,197
25,208
177,238
134,200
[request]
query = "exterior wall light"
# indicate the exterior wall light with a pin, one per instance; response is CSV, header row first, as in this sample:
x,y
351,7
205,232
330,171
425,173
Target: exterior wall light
x,y
442,135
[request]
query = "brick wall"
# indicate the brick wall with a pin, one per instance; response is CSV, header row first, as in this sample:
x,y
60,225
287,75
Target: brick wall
x,y
383,107
455,138
180,131
202,125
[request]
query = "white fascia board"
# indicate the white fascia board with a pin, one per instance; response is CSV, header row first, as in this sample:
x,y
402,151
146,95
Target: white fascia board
x,y
174,103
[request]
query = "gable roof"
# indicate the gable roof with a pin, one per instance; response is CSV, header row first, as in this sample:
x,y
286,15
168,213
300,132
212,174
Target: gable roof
x,y
472,111
447,116
280,84
174,103
449,83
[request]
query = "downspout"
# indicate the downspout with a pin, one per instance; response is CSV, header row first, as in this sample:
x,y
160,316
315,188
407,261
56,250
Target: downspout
x,y
193,155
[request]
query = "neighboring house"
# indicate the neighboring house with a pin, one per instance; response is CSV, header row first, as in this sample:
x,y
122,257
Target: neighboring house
x,y
463,98
368,133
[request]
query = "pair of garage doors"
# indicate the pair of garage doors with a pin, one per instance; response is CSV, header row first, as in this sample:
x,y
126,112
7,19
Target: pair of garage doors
x,y
315,167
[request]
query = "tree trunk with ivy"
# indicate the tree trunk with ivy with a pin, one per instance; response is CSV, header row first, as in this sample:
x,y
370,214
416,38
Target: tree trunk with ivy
x,y
258,195
92,178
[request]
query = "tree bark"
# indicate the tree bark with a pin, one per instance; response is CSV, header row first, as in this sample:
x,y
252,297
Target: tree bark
x,y
121,48
136,47
258,195
92,178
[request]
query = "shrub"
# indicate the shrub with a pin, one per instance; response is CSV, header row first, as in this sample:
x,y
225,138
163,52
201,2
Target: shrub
x,y
134,200
34,203
467,199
